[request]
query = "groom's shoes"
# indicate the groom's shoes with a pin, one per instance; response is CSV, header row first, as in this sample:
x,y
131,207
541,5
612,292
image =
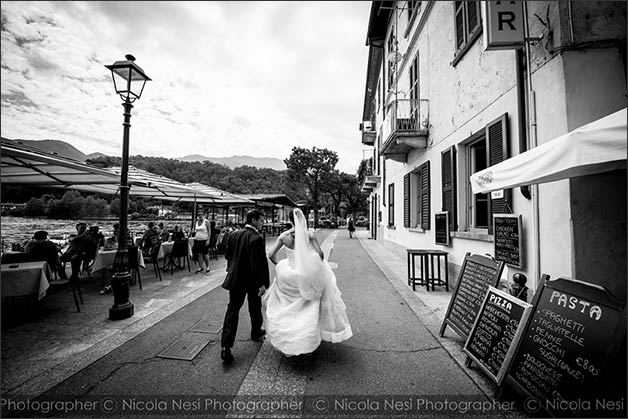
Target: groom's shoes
x,y
226,356
258,336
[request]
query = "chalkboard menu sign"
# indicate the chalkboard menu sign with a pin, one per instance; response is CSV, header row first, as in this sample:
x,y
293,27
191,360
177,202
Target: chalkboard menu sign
x,y
442,227
507,237
565,357
498,326
476,274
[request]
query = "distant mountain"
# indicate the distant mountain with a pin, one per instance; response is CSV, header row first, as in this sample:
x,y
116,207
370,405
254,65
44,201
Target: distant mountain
x,y
95,155
55,146
67,150
237,161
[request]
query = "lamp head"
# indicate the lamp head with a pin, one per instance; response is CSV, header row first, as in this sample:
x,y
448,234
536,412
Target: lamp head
x,y
128,78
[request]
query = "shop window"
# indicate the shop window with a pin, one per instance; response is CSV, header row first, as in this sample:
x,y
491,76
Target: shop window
x,y
391,205
468,26
481,150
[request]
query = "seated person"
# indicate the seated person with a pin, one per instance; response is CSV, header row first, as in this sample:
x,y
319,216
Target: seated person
x,y
111,243
177,233
81,246
150,241
43,249
97,237
164,236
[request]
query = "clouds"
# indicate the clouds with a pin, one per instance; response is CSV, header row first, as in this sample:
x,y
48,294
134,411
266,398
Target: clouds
x,y
229,78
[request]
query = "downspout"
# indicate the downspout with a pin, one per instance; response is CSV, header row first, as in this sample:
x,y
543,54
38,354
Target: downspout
x,y
532,143
521,113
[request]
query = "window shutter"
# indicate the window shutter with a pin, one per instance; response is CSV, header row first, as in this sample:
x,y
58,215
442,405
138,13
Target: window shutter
x,y
459,5
406,200
391,204
448,159
497,138
474,16
425,195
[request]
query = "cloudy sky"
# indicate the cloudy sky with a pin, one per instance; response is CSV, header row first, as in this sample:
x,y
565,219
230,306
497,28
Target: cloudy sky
x,y
228,78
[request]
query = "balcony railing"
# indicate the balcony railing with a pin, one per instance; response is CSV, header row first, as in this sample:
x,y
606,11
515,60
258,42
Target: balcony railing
x,y
368,132
406,127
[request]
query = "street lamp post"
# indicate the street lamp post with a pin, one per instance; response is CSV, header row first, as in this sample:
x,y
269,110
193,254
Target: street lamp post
x,y
129,80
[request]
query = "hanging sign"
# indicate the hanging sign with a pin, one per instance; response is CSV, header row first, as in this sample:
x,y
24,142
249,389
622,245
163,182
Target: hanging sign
x,y
441,220
507,239
502,23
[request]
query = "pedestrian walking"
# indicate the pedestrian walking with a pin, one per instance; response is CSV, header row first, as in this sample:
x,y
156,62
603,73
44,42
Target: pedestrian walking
x,y
350,226
247,276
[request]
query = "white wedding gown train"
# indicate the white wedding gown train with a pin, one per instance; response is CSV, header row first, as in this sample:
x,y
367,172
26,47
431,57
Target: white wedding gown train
x,y
303,307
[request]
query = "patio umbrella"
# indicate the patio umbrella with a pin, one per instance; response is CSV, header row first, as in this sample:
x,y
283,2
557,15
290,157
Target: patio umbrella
x,y
596,147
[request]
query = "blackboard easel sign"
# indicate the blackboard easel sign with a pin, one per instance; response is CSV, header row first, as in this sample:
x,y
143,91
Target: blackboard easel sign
x,y
498,327
476,274
507,239
441,220
566,358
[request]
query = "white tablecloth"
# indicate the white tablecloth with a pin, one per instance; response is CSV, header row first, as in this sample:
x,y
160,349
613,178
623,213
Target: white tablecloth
x,y
166,248
25,279
105,258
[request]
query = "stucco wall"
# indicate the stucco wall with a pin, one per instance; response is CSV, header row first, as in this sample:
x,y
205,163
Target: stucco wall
x,y
572,88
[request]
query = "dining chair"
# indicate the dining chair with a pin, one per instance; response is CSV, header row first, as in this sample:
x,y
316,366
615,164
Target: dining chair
x,y
152,259
180,250
134,265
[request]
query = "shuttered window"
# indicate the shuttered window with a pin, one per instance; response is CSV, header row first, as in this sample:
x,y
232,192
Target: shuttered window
x,y
424,195
391,204
483,149
497,139
468,25
448,168
406,200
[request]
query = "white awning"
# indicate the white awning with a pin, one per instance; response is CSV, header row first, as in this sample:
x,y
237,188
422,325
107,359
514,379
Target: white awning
x,y
597,147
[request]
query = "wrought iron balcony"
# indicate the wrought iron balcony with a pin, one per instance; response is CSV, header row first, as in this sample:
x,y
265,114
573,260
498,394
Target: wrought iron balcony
x,y
406,127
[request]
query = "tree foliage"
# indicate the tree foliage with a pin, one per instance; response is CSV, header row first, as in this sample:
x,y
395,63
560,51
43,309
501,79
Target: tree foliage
x,y
309,167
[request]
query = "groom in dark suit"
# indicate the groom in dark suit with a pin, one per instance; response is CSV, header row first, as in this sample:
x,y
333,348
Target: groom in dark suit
x,y
247,276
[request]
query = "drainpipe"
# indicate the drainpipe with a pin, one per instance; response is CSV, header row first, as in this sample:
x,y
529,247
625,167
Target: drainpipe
x,y
533,143
521,113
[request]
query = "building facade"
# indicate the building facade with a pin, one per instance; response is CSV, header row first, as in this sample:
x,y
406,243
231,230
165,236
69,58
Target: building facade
x,y
439,107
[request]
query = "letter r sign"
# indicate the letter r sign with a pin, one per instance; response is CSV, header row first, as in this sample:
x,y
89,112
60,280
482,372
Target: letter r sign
x,y
503,24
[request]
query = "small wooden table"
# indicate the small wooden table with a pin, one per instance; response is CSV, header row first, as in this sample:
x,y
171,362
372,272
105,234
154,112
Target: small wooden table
x,y
430,258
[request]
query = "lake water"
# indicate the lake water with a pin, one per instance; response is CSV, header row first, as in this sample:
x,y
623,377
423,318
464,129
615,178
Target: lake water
x,y
21,229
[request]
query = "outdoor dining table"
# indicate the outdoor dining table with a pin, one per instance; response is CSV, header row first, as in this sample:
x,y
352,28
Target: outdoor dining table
x,y
166,248
26,278
104,259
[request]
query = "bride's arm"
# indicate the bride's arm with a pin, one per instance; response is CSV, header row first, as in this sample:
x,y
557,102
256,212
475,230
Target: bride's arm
x,y
316,246
276,248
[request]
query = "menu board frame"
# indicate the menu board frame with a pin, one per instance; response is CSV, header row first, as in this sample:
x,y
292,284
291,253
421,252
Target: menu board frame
x,y
582,295
497,249
462,280
436,225
502,299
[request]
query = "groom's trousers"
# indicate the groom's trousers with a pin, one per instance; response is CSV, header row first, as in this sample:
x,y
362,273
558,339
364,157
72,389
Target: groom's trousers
x,y
230,326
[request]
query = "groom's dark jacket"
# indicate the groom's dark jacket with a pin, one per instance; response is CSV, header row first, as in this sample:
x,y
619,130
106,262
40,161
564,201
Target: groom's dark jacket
x,y
247,266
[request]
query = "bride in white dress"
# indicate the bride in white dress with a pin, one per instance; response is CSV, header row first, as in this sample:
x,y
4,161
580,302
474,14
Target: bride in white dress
x,y
303,306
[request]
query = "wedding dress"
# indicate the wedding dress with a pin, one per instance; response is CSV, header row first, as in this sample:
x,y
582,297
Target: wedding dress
x,y
303,306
